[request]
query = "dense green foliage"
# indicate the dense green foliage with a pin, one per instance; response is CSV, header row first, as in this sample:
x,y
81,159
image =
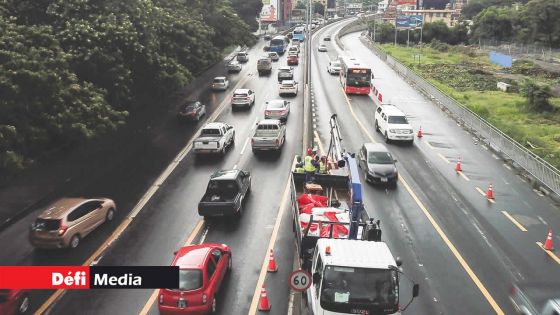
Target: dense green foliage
x,y
248,10
71,70
535,22
439,31
537,96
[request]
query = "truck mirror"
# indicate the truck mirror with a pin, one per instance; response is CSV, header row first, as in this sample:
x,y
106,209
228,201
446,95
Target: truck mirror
x,y
415,290
398,261
316,278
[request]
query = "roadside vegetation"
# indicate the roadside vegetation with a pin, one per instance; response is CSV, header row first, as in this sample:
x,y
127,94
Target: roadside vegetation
x,y
72,70
450,59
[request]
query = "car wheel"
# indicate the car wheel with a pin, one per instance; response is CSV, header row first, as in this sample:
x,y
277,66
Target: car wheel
x,y
386,137
23,305
376,126
110,214
365,175
213,310
74,241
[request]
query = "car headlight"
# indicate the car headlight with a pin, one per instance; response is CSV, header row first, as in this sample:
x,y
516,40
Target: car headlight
x,y
392,130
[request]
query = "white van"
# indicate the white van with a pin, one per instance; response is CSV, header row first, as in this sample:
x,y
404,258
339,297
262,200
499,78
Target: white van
x,y
393,125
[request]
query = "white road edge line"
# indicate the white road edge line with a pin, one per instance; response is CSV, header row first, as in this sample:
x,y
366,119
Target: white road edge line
x,y
244,147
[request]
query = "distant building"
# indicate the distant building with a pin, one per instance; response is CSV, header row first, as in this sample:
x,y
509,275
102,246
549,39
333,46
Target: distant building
x,y
382,6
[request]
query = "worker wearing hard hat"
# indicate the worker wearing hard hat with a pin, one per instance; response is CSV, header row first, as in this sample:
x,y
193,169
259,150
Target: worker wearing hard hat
x,y
299,165
309,165
323,165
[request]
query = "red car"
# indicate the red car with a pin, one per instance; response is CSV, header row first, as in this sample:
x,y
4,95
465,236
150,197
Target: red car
x,y
202,269
13,301
293,60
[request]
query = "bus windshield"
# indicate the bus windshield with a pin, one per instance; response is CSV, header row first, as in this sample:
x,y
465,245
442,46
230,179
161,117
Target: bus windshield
x,y
366,289
359,77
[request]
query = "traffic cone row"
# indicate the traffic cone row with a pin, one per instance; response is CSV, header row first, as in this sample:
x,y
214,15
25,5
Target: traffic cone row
x,y
490,192
263,301
548,242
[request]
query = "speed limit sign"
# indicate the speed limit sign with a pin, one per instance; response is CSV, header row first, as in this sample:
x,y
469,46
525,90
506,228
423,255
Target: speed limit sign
x,y
300,280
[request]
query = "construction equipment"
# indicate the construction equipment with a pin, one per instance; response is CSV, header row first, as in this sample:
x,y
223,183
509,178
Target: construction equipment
x,y
353,271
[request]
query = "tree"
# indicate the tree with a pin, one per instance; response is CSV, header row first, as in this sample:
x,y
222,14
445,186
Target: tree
x,y
248,10
436,30
537,96
494,23
43,103
318,8
544,19
300,5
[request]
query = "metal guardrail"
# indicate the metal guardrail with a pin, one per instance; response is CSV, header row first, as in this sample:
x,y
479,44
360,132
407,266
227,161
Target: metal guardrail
x,y
536,166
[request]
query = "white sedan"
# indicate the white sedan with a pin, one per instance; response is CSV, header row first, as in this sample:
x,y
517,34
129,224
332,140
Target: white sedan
x,y
334,67
322,48
288,87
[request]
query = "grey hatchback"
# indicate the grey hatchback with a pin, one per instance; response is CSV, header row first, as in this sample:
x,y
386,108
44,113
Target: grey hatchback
x,y
378,164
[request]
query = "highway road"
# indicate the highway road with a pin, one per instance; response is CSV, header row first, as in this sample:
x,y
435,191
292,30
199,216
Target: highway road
x,y
463,250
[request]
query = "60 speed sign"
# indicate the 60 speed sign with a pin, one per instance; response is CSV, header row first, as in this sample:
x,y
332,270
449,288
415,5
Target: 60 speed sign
x,y
300,280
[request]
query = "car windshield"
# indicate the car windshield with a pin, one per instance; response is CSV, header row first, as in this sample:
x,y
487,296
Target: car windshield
x,y
400,120
287,84
335,64
190,279
225,188
219,80
47,224
380,158
275,104
346,288
210,132
284,70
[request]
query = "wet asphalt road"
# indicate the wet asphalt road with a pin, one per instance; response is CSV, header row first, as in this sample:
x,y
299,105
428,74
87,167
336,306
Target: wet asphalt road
x,y
497,251
166,221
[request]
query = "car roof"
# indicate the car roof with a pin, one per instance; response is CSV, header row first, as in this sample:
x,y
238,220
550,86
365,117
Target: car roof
x,y
59,208
288,82
375,147
269,122
213,125
241,91
219,78
392,110
224,174
285,68
272,53
192,256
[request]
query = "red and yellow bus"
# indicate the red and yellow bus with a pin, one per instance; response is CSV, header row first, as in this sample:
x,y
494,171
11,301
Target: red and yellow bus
x,y
355,76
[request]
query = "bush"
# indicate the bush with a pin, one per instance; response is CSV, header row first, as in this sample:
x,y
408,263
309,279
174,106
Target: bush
x,y
537,96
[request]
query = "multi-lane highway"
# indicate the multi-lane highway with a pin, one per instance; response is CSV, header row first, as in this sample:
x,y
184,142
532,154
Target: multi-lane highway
x,y
463,250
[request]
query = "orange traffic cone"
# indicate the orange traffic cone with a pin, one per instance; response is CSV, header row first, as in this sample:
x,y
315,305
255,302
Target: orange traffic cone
x,y
263,301
548,242
272,263
490,192
458,166
420,132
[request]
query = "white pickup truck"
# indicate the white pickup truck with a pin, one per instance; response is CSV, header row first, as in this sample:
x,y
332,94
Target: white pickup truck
x,y
215,137
270,134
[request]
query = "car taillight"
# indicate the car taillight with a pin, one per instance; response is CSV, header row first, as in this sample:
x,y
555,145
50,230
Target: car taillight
x,y
204,298
161,299
267,112
62,229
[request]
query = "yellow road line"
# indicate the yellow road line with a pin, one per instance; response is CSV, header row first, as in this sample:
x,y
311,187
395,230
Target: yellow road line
x,y
442,234
142,202
464,176
551,254
443,158
262,275
514,221
189,241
